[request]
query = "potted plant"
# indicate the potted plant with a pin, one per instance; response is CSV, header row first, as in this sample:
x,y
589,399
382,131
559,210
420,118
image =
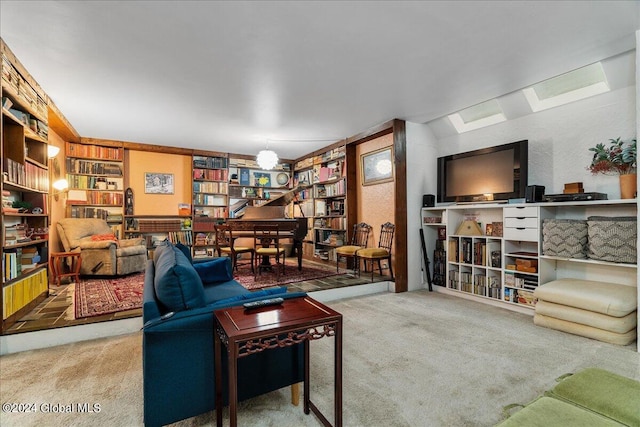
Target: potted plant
x,y
618,158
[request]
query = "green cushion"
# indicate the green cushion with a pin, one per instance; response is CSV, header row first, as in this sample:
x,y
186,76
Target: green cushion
x,y
604,392
549,412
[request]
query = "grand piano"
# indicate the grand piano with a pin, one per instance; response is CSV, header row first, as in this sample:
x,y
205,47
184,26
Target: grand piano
x,y
273,212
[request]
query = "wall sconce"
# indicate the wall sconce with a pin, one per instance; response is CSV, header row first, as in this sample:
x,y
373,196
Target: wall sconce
x,y
52,151
60,186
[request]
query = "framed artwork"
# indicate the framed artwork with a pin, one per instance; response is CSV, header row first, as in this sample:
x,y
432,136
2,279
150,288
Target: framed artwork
x,y
377,166
263,179
158,183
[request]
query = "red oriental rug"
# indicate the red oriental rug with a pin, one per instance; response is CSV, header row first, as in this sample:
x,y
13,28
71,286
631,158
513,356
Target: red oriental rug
x,y
292,275
95,297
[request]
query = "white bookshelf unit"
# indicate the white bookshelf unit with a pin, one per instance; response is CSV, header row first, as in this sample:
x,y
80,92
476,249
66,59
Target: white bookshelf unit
x,y
474,270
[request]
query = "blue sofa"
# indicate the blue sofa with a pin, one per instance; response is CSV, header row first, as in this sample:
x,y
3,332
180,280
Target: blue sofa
x,y
178,363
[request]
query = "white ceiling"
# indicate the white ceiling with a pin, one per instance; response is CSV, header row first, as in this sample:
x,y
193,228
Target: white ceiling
x,y
228,76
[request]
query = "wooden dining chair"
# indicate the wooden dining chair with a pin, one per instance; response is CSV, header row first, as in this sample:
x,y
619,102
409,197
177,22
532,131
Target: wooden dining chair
x,y
225,244
266,241
359,240
382,252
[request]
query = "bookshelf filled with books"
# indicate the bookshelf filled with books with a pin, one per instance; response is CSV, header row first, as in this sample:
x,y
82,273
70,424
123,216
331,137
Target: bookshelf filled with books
x,y
95,174
25,191
210,186
329,202
157,228
249,185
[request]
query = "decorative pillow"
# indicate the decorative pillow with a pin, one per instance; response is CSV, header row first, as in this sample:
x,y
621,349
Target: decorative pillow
x,y
217,270
185,250
103,237
178,287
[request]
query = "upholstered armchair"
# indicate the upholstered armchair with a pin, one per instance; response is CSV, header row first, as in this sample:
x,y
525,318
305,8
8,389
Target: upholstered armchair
x,y
100,251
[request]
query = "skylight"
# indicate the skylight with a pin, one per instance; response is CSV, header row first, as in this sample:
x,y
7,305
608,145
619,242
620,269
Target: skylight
x,y
476,117
563,89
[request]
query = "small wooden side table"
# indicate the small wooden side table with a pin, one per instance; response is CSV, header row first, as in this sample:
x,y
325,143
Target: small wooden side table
x,y
246,332
57,266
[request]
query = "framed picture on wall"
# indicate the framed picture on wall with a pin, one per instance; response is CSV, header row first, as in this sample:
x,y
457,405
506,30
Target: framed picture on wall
x,y
377,166
158,183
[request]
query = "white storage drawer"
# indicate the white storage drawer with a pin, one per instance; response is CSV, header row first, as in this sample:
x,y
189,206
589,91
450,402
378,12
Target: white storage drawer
x,y
520,212
522,222
526,234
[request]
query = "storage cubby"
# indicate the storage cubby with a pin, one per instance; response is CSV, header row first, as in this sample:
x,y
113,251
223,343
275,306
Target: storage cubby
x,y
502,260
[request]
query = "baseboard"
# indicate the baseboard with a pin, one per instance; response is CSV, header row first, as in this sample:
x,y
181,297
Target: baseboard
x,y
25,341
352,291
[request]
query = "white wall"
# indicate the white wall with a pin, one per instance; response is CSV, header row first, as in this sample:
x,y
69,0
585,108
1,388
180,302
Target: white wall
x,y
559,142
560,138
422,153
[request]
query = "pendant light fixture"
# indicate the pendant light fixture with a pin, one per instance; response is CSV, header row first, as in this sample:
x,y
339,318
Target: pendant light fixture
x,y
267,159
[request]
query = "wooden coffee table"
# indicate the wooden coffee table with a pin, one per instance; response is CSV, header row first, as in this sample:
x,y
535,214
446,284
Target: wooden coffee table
x,y
296,320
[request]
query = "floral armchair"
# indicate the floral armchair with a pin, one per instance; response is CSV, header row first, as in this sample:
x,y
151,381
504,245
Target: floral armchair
x,y
101,252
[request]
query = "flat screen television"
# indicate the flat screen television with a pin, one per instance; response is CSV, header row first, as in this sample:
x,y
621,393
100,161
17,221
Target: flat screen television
x,y
490,174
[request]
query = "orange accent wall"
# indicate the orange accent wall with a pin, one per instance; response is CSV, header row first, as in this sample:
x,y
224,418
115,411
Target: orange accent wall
x,y
376,203
140,162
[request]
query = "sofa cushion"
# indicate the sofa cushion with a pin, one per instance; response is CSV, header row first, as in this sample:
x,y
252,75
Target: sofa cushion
x,y
590,318
185,250
177,284
549,412
606,298
218,270
625,338
604,392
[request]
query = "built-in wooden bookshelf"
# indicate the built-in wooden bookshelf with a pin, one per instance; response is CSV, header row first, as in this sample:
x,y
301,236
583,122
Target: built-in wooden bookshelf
x,y
25,191
210,186
249,185
329,200
157,228
96,182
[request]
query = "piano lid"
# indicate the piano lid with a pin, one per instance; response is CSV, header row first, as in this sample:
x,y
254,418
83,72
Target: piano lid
x,y
285,198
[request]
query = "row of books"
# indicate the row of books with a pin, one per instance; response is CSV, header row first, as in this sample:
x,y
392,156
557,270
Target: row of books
x,y
524,282
210,162
159,225
212,211
210,187
336,153
104,198
184,237
333,223
209,200
15,261
89,167
336,189
91,212
86,182
94,151
37,126
16,233
23,89
211,174
20,293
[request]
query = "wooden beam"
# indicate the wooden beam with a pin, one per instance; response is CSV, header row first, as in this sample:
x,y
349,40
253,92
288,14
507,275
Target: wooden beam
x,y
400,237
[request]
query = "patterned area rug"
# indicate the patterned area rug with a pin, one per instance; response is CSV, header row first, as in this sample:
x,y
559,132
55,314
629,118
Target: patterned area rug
x,y
292,275
95,297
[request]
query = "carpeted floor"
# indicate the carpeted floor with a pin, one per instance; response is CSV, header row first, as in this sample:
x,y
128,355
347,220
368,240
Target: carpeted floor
x,y
410,359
